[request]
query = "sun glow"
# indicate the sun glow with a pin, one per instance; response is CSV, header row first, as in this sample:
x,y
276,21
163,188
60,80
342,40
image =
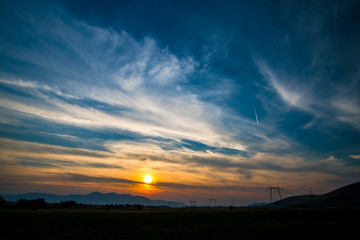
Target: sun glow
x,y
147,179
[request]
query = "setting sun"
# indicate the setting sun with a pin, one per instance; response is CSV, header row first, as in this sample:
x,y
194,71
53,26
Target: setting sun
x,y
147,179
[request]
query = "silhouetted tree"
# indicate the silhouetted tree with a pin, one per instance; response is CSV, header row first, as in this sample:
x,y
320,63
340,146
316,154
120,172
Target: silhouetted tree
x,y
68,204
2,201
33,204
138,206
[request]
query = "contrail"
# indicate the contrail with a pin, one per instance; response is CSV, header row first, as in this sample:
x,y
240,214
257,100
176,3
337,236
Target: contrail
x,y
256,116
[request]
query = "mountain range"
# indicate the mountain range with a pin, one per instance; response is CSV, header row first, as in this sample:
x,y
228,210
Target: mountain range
x,y
347,196
95,198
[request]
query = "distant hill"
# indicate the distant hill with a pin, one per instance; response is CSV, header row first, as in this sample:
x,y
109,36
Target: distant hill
x,y
95,198
348,196
259,204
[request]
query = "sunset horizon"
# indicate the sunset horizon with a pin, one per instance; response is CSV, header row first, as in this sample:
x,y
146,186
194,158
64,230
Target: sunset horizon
x,y
179,100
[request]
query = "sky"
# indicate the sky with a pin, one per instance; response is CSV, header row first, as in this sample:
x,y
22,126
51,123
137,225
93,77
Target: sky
x,y
212,99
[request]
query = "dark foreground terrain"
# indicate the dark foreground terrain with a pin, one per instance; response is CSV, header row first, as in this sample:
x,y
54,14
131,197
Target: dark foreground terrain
x,y
179,224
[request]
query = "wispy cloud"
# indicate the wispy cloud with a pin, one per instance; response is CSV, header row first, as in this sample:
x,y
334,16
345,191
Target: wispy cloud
x,y
289,90
129,76
186,170
99,179
348,109
56,163
26,147
339,106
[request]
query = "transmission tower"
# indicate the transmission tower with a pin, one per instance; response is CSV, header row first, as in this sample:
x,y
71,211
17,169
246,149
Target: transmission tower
x,y
271,192
212,202
192,203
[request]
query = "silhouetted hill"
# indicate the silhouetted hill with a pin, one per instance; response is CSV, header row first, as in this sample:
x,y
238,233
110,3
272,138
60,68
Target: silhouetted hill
x,y
95,198
348,196
259,204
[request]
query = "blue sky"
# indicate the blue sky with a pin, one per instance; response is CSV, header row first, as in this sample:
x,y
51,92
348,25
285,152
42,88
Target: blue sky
x,y
213,99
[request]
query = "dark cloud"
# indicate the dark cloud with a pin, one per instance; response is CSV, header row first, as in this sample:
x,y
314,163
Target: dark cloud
x,y
86,178
33,147
223,187
54,163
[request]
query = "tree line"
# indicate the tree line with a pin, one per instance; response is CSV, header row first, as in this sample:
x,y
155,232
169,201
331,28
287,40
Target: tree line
x,y
41,204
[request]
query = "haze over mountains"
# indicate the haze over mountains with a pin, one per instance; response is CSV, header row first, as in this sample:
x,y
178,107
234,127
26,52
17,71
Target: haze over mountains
x,y
95,198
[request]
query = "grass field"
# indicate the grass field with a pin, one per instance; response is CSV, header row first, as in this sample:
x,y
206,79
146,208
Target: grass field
x,y
179,224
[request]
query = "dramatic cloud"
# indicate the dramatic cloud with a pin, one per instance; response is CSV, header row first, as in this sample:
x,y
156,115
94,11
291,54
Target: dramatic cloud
x,y
219,101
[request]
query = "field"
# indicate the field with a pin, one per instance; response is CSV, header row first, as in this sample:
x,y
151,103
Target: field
x,y
179,224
